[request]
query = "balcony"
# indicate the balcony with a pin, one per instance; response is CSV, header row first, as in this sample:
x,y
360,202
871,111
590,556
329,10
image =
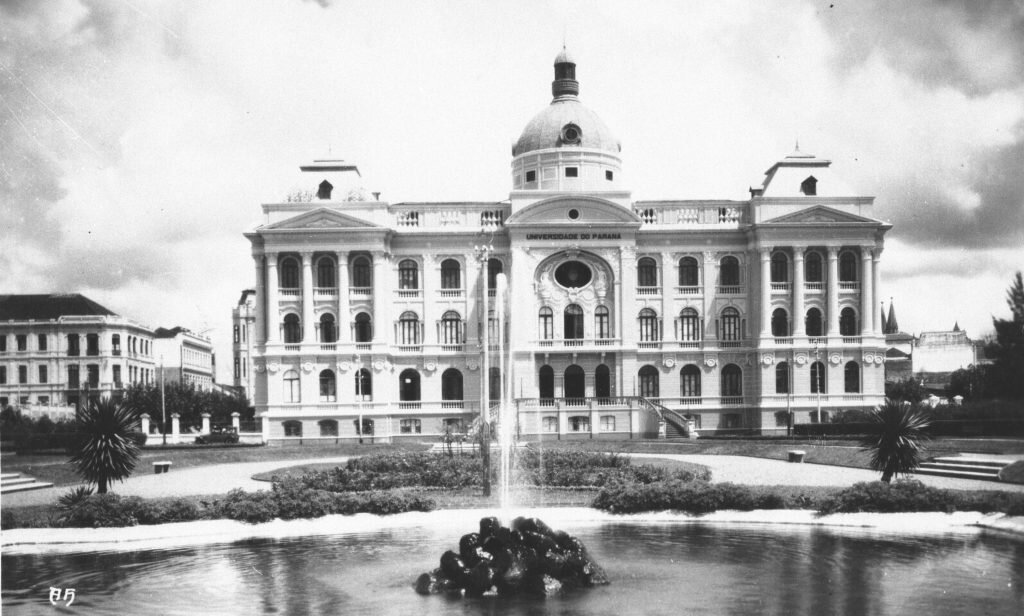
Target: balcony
x,y
360,291
730,289
576,342
781,287
290,292
409,293
330,347
649,344
452,348
688,290
851,339
648,291
292,348
814,287
451,293
732,400
849,286
784,340
325,292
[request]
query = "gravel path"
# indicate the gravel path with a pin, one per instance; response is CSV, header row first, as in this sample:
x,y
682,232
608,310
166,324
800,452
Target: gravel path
x,y
220,478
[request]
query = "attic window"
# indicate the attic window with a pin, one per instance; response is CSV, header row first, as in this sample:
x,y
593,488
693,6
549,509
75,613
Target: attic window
x,y
324,190
572,172
609,175
531,176
809,187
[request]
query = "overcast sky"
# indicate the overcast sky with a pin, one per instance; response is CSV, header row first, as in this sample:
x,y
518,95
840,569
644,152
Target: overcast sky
x,y
139,138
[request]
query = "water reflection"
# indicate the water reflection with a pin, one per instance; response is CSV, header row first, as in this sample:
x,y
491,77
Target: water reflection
x,y
655,568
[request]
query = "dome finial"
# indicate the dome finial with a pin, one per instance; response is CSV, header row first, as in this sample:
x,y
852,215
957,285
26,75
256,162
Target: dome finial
x,y
565,83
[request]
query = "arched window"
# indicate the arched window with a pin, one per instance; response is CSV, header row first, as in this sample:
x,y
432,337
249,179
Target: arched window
x,y
689,381
546,384
291,392
451,274
364,385
646,272
602,323
289,273
847,267
408,275
689,274
730,330
328,427
729,272
782,378
408,328
602,382
819,382
362,273
780,267
813,323
292,428
494,267
325,277
732,380
451,385
451,328
689,325
848,322
780,323
812,267
328,332
546,323
649,382
575,383
363,330
409,386
851,377
649,326
328,386
573,321
292,329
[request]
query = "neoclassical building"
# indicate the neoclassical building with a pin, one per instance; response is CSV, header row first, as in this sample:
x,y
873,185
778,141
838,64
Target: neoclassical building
x,y
620,317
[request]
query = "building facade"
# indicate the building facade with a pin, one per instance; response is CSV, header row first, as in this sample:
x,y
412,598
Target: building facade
x,y
243,320
736,315
184,357
61,350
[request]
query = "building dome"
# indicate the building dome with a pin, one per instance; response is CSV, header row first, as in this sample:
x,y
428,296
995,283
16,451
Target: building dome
x,y
565,122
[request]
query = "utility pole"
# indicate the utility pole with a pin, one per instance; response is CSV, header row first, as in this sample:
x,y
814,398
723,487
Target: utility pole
x,y
483,253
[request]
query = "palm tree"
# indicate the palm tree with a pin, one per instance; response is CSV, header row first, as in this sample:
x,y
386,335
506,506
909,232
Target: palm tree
x,y
105,451
895,442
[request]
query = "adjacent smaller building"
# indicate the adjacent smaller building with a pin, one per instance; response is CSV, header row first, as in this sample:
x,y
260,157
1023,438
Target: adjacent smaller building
x,y
59,350
184,357
243,319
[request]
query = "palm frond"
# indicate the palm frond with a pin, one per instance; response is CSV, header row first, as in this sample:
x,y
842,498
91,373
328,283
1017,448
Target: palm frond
x,y
897,441
105,451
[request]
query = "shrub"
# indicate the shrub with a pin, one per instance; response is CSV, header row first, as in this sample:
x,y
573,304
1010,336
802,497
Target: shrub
x,y
912,495
249,507
178,510
294,500
103,510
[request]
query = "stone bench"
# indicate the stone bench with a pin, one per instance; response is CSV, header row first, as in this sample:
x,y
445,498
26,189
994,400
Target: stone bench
x,y
796,455
163,466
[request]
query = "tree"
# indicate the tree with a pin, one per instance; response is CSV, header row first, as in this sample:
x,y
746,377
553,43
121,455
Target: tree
x,y
896,438
105,450
972,382
1007,350
188,402
907,390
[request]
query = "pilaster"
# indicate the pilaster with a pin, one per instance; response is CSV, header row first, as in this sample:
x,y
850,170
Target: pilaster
x,y
867,296
273,303
797,317
832,311
344,311
308,324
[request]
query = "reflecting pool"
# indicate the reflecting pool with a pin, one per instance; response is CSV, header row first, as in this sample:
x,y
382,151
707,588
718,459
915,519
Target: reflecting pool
x,y
655,568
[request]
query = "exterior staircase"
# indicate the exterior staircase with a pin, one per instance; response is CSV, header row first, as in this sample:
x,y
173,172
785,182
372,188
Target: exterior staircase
x,y
15,482
963,468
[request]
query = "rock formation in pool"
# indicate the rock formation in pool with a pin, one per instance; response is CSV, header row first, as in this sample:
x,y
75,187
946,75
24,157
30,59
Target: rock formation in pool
x,y
528,559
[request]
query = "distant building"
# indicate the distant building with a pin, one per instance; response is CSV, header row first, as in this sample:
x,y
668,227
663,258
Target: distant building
x,y
61,349
184,357
243,318
930,357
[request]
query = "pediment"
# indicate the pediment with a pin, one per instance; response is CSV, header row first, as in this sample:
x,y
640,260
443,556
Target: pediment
x,y
820,214
590,211
321,218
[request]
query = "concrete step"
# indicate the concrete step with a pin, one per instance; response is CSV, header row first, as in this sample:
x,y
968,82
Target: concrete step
x,y
9,476
997,464
24,487
955,474
16,481
970,468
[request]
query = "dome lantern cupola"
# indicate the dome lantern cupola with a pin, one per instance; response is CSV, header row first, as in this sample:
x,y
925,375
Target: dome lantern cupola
x,y
565,83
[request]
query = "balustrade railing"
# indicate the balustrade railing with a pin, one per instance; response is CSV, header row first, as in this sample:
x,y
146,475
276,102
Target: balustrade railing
x,y
325,291
688,290
849,286
648,290
730,289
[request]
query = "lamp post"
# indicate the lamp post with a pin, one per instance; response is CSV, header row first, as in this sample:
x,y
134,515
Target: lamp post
x,y
483,253
163,403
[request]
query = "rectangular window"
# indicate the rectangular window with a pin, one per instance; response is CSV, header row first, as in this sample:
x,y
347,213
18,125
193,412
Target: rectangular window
x,y
22,375
43,400
572,172
42,342
237,334
579,423
607,423
411,426
3,401
22,342
238,367
3,343
550,424
609,175
117,376
3,375
92,345
23,401
73,378
94,375
531,176
43,374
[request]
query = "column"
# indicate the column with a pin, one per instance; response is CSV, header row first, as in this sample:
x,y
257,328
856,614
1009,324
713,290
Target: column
x,y
344,312
175,427
145,422
867,296
429,283
471,284
832,310
626,317
273,323
261,303
797,317
308,320
382,325
236,421
876,288
709,277
206,422
766,291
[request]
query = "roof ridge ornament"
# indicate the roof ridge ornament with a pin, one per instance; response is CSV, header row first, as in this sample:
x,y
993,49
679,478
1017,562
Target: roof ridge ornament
x,y
565,84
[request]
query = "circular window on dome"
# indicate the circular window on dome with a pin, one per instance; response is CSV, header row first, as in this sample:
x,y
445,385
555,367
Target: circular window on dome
x,y
571,133
574,214
573,274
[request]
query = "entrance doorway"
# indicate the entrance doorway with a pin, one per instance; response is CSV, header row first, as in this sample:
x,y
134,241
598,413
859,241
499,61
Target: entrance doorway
x,y
575,383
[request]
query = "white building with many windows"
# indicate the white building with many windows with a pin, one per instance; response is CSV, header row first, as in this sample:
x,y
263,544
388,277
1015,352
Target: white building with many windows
x,y
620,315
184,356
243,320
60,350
